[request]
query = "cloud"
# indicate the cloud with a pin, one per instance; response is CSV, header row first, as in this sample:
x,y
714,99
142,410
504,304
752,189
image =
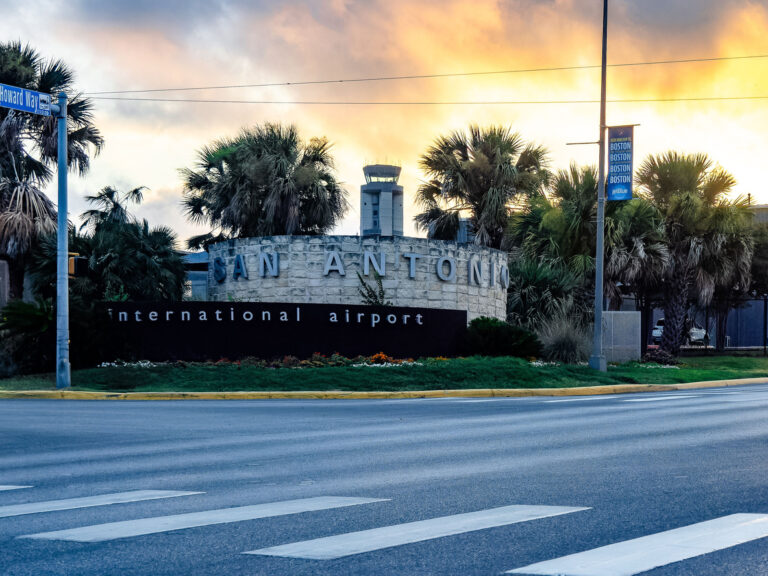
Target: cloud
x,y
117,45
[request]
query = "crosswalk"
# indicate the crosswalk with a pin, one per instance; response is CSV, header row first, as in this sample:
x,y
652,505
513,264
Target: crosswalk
x,y
623,558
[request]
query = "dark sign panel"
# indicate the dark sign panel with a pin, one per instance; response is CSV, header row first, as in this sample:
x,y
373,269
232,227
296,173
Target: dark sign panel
x,y
620,144
213,330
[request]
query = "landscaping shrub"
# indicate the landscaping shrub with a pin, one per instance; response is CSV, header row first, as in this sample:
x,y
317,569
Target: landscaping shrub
x,y
564,339
660,356
492,337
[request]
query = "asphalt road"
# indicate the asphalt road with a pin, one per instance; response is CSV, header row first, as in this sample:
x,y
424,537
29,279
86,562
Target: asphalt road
x,y
507,483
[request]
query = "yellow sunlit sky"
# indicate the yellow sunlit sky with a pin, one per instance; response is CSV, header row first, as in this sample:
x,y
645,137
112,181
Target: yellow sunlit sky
x,y
146,44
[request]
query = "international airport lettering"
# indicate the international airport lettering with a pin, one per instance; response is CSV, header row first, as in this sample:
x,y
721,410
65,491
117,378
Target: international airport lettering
x,y
291,315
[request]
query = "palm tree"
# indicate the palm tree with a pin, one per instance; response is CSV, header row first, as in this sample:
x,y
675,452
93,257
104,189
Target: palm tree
x,y
708,237
28,148
127,259
559,229
477,173
111,206
266,181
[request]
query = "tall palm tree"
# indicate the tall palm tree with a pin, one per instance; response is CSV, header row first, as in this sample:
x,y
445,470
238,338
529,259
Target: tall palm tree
x,y
266,181
28,149
708,237
477,173
111,206
560,226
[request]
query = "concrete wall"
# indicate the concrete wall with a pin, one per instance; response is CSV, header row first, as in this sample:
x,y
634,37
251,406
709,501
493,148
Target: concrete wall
x,y
308,272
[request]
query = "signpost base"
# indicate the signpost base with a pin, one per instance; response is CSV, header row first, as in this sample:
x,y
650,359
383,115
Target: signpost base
x,y
63,375
598,363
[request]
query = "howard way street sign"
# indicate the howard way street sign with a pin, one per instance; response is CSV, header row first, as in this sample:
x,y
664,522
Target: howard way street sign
x,y
25,100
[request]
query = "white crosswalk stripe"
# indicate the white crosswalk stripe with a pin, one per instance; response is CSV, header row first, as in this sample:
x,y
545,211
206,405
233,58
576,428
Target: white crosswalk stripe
x,y
368,540
143,526
642,554
89,501
9,487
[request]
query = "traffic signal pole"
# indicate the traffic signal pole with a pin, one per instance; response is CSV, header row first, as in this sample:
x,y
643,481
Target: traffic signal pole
x,y
597,360
63,377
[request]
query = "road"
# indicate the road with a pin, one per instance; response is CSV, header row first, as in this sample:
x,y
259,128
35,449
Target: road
x,y
658,484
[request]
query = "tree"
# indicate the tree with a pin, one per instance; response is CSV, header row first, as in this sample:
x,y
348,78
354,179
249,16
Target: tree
x,y
266,181
127,259
538,291
708,237
478,173
28,148
558,229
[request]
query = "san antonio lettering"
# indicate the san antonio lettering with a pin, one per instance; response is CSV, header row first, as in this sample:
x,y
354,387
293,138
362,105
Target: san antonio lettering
x,y
445,267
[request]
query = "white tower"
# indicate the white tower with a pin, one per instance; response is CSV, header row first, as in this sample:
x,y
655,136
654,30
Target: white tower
x,y
381,201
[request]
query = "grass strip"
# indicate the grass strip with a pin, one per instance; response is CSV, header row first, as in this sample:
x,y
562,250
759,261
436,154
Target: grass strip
x,y
429,374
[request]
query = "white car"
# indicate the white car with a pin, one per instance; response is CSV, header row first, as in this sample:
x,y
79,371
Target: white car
x,y
696,335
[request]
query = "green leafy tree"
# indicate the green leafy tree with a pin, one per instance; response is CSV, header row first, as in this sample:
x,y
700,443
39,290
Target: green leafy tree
x,y
29,148
266,181
479,174
708,237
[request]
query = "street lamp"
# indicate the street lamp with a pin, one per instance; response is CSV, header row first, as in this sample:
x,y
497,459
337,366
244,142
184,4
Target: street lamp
x,y
597,360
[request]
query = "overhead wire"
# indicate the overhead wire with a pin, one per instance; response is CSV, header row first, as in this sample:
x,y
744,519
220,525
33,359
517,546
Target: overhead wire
x,y
431,76
431,103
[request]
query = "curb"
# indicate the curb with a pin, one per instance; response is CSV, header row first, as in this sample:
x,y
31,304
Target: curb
x,y
342,395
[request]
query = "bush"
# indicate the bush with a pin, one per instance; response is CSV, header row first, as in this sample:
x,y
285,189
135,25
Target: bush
x,y
492,337
564,339
660,356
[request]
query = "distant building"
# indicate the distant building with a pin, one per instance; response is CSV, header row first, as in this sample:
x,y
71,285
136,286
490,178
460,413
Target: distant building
x,y
381,201
761,213
196,267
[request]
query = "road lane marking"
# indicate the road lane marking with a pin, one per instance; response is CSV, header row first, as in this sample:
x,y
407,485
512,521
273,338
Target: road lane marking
x,y
649,552
9,487
368,540
90,501
130,528
663,398
584,399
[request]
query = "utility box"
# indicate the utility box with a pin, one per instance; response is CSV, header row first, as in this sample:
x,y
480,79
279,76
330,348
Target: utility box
x,y
621,336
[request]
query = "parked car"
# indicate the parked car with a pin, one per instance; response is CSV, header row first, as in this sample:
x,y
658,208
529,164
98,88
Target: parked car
x,y
696,334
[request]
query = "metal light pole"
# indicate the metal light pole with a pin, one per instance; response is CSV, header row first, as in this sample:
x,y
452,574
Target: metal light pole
x,y
63,379
597,360
765,324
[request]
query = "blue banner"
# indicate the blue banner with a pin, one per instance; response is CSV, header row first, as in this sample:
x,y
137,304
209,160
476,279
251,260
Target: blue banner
x,y
619,182
25,100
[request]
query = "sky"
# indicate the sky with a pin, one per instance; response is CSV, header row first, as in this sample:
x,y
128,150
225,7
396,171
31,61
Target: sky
x,y
149,44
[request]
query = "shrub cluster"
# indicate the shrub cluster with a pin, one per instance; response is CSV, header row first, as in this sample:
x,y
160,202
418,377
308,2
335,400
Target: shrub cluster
x,y
492,337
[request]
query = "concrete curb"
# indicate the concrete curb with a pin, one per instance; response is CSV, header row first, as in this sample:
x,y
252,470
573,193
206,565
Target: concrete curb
x,y
342,395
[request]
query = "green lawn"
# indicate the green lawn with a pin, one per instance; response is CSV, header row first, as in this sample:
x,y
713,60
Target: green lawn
x,y
474,372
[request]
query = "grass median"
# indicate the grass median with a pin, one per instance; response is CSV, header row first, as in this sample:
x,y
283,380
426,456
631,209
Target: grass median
x,y
427,374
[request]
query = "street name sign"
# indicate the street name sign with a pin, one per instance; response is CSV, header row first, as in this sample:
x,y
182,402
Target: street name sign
x,y
620,145
25,100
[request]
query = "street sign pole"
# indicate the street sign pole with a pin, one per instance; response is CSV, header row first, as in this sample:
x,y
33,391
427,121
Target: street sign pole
x,y
63,377
597,360
38,103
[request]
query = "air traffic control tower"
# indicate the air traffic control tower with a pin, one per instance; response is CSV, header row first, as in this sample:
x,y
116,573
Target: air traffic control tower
x,y
381,201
